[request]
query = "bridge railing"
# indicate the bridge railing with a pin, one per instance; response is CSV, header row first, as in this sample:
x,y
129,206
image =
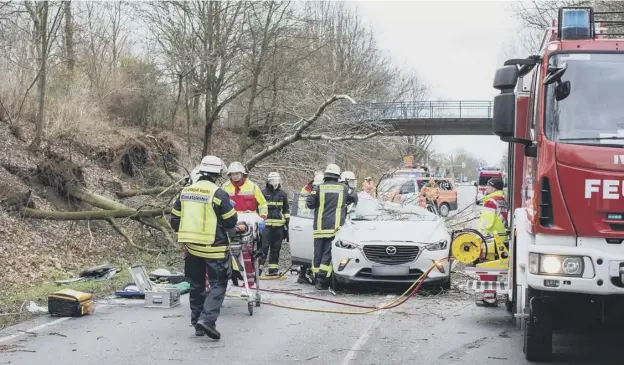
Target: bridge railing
x,y
429,110
395,111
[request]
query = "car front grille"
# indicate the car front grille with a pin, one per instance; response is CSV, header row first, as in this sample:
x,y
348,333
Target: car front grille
x,y
403,255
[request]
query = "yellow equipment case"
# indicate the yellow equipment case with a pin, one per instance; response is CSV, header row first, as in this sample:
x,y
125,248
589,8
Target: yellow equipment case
x,y
70,303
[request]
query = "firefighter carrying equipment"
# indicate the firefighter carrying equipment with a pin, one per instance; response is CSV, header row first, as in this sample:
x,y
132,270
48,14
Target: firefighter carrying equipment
x,y
70,303
494,213
277,221
201,215
248,197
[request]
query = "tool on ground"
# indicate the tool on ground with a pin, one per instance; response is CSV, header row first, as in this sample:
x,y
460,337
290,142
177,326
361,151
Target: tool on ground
x,y
156,295
490,259
70,303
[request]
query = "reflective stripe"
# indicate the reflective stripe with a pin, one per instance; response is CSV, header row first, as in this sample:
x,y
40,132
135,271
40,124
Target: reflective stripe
x,y
287,216
326,268
175,212
279,204
315,269
198,221
228,214
273,266
275,222
338,211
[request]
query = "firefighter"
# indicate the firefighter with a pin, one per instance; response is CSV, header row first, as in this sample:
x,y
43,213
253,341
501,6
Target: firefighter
x,y
493,217
328,200
247,196
202,216
348,178
429,194
277,221
302,210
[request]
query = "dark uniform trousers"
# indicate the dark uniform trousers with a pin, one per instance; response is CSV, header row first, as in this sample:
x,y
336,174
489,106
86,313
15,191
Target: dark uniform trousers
x,y
272,238
322,257
217,272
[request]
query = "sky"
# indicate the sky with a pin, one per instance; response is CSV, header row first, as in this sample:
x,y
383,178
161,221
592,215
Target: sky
x,y
454,46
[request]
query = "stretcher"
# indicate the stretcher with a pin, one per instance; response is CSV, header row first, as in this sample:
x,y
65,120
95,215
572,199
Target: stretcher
x,y
247,238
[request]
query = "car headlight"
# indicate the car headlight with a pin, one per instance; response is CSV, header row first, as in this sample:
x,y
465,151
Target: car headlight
x,y
558,265
437,246
346,244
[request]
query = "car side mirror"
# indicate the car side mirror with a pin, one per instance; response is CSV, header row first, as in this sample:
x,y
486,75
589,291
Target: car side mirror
x,y
475,184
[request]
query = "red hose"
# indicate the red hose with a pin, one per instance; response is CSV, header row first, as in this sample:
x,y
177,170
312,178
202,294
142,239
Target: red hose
x,y
411,294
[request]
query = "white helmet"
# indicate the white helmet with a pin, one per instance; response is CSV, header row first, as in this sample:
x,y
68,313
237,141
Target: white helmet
x,y
318,179
332,169
209,165
274,179
236,167
349,178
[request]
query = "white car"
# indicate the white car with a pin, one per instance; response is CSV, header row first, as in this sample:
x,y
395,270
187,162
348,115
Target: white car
x,y
380,242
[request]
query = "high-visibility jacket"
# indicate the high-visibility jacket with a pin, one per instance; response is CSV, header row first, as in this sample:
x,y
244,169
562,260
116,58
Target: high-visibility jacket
x,y
247,196
278,209
494,214
202,215
430,192
329,200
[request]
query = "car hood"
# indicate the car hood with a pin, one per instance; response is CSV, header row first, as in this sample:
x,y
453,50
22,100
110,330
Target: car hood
x,y
363,232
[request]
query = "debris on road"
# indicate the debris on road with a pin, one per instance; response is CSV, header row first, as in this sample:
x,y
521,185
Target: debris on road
x,y
96,273
70,303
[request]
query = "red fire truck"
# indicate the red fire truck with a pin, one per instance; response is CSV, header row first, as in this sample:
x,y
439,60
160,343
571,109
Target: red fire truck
x,y
484,175
561,112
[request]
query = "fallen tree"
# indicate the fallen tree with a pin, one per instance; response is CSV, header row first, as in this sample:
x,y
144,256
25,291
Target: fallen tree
x,y
93,214
298,134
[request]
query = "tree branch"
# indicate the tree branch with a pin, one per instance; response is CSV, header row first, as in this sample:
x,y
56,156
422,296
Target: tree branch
x,y
303,124
322,137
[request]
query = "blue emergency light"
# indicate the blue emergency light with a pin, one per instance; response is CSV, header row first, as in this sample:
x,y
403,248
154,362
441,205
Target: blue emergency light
x,y
576,23
614,217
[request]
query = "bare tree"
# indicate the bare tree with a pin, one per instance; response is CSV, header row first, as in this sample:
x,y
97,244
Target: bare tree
x,y
69,37
45,26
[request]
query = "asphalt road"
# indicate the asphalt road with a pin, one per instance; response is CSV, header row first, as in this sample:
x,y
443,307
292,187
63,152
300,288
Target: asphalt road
x,y
434,329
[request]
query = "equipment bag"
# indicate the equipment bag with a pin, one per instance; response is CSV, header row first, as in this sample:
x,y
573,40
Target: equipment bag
x,y
70,303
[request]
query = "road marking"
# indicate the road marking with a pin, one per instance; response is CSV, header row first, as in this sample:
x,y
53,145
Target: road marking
x,y
362,340
34,329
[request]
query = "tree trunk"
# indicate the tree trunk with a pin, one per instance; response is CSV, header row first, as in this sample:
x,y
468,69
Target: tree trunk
x,y
188,118
69,38
150,191
92,214
175,107
43,59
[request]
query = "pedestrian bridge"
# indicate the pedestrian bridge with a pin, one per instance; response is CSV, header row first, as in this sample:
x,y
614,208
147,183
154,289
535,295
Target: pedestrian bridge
x,y
406,118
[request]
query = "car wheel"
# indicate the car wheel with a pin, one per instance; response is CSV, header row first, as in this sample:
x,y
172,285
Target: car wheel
x,y
444,209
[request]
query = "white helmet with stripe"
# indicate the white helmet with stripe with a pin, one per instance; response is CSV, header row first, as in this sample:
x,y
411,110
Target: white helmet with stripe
x,y
236,167
209,165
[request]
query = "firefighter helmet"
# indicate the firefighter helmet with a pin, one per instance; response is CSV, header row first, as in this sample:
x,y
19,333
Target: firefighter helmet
x,y
236,167
332,170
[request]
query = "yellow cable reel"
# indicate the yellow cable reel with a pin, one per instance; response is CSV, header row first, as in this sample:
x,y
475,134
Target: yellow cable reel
x,y
467,247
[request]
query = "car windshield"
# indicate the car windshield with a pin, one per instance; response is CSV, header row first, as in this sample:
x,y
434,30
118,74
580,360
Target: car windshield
x,y
376,210
390,184
593,113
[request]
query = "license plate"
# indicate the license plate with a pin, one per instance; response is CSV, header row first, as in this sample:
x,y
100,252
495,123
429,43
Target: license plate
x,y
390,271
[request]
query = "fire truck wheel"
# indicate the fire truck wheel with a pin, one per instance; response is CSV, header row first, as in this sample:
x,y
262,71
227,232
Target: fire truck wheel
x,y
538,333
444,209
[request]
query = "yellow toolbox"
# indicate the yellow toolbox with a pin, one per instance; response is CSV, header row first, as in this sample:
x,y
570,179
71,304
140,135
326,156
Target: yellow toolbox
x,y
70,303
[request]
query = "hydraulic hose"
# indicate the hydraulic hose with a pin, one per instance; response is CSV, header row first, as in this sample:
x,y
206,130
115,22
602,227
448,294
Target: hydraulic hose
x,y
277,277
409,293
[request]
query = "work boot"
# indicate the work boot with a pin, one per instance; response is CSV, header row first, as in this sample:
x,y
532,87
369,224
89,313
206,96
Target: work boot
x,y
209,329
199,332
272,272
302,280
